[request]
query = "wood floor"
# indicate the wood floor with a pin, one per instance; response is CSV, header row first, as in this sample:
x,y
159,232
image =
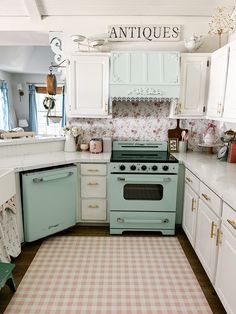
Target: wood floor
x,y
30,249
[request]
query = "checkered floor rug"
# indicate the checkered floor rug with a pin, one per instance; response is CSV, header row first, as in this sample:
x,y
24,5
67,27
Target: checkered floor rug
x,y
109,275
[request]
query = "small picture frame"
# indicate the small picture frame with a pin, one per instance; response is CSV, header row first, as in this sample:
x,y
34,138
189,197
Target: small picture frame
x,y
173,144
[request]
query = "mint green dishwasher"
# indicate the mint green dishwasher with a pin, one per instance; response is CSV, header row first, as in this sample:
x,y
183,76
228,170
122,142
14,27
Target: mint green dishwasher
x,y
49,201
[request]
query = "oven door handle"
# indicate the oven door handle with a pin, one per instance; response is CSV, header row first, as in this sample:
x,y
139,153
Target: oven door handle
x,y
144,180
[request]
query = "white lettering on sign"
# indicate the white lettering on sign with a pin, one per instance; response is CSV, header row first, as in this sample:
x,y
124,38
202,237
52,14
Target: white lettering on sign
x,y
144,32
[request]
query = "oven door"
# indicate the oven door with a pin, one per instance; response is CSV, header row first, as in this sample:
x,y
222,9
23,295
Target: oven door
x,y
135,192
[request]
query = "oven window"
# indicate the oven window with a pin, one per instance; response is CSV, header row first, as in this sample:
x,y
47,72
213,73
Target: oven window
x,y
144,192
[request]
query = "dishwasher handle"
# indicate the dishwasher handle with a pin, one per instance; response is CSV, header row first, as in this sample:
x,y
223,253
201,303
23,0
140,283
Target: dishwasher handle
x,y
54,177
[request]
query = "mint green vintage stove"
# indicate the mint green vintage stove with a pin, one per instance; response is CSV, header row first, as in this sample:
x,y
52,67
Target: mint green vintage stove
x,y
142,187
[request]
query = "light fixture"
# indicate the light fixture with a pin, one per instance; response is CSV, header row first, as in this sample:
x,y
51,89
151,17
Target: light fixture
x,y
220,23
20,90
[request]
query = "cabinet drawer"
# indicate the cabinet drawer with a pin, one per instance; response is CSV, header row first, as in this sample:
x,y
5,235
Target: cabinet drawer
x,y
229,218
93,186
93,169
210,198
94,209
140,220
192,180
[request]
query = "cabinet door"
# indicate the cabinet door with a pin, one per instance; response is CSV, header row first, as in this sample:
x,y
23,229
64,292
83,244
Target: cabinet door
x,y
206,249
145,68
218,74
190,213
230,96
226,271
194,76
89,85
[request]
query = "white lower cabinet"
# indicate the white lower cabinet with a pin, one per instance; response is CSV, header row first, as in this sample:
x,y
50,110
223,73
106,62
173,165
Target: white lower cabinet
x,y
226,267
93,209
190,213
206,239
93,192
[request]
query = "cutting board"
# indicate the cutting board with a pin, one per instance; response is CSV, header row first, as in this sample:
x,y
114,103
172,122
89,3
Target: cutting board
x,y
175,133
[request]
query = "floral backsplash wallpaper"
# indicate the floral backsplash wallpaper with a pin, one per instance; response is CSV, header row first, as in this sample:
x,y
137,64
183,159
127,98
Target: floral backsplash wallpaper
x,y
140,121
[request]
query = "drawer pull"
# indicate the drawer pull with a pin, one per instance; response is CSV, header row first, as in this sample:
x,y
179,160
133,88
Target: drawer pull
x,y
93,206
218,237
93,170
148,221
93,183
189,180
193,204
207,198
213,225
232,223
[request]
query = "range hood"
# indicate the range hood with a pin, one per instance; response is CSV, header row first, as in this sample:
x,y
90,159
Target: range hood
x,y
144,76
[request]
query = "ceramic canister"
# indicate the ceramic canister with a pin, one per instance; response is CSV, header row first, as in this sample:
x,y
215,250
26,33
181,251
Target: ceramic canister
x,y
95,145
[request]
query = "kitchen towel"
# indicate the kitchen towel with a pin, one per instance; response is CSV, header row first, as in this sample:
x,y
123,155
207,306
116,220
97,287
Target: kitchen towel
x,y
109,275
9,236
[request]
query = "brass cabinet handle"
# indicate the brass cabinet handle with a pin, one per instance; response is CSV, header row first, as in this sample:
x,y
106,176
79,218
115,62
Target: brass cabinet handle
x,y
218,237
207,198
213,225
93,170
193,204
93,183
188,179
93,206
232,223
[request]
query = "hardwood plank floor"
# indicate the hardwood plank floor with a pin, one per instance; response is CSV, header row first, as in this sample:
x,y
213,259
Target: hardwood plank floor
x,y
30,249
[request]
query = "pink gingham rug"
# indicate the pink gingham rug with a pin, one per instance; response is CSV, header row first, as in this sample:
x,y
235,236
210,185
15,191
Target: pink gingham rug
x,y
109,275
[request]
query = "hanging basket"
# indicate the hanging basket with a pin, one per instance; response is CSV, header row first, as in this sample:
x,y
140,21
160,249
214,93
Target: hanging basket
x,y
55,119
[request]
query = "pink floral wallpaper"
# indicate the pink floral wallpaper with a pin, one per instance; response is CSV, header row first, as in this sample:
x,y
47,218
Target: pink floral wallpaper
x,y
140,121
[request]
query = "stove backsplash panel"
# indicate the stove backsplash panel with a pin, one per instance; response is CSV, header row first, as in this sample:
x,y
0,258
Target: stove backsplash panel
x,y
140,121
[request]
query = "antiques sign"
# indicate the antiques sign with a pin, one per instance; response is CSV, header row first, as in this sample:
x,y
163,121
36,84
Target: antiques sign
x,y
144,32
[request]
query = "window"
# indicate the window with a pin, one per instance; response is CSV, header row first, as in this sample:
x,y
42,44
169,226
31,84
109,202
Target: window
x,y
50,126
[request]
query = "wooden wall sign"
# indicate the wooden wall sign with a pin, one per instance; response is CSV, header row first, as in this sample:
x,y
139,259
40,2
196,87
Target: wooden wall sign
x,y
144,32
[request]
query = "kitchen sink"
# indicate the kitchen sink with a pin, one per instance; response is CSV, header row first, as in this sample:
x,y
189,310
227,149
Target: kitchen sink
x,y
7,184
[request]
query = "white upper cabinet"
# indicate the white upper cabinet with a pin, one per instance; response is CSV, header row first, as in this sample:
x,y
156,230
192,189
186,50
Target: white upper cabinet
x,y
194,83
230,94
88,85
218,77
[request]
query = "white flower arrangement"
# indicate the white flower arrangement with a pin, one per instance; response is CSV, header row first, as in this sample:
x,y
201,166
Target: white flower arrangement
x,y
72,130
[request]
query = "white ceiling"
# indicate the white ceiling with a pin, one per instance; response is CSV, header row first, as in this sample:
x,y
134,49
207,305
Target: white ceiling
x,y
43,8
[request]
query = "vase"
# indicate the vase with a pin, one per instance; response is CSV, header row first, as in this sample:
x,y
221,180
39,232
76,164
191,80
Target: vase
x,y
70,143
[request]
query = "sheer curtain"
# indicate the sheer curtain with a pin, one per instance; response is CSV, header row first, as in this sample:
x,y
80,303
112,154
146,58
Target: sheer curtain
x,y
4,107
63,111
33,120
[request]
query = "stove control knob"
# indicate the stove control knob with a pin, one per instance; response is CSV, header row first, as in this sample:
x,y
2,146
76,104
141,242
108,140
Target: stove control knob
x,y
133,167
165,168
122,167
154,168
144,167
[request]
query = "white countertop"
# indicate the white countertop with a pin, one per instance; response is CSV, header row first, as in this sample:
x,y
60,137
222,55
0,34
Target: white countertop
x,y
31,140
218,175
29,162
